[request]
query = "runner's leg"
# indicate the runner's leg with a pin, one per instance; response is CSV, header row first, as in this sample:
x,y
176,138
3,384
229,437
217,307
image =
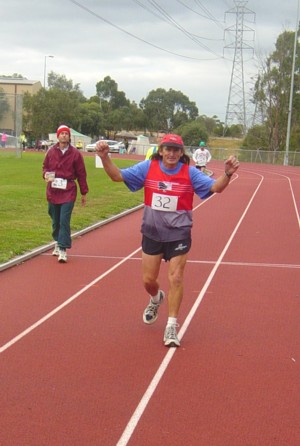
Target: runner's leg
x,y
175,276
150,270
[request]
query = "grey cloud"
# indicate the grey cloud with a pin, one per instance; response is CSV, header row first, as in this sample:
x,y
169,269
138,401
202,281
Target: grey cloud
x,y
86,48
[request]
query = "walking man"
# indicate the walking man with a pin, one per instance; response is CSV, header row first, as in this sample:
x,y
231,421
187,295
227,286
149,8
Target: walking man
x,y
169,185
63,166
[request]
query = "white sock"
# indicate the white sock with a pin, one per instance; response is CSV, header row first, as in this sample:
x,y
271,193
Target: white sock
x,y
172,321
156,298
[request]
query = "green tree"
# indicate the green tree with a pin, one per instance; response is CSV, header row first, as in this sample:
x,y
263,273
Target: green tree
x,y
113,103
272,91
213,126
235,131
109,111
167,109
13,76
91,118
107,90
136,119
60,82
193,132
47,109
256,138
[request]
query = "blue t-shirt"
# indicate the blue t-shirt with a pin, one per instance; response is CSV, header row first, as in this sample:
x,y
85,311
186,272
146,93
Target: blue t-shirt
x,y
134,177
166,226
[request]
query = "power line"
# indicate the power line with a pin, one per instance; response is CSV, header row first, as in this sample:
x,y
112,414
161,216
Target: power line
x,y
160,17
209,14
196,12
139,38
180,28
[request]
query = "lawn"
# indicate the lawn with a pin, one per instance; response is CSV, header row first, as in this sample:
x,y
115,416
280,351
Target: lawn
x,y
25,223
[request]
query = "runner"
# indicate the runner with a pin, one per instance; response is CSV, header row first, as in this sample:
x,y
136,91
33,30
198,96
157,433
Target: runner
x,y
201,156
169,186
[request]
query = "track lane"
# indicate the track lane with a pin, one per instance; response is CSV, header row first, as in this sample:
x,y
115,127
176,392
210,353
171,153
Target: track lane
x,y
44,284
238,382
93,347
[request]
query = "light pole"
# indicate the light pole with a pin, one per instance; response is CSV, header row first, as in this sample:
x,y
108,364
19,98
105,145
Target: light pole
x,y
288,132
45,65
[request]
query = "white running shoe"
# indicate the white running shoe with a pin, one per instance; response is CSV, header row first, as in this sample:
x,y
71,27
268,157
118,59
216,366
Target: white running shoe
x,y
150,313
62,257
170,336
55,251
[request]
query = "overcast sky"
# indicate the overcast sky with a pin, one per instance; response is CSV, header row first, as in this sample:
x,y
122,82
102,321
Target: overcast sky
x,y
143,45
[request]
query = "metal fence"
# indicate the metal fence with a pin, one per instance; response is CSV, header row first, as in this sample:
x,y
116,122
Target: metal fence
x,y
247,156
253,156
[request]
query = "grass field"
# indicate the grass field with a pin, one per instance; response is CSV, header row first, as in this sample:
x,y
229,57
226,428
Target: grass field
x,y
226,143
25,223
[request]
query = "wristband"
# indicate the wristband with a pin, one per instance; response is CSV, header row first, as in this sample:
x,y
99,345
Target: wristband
x,y
229,175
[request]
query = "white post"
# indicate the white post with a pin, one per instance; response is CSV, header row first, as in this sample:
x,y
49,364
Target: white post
x,y
288,132
45,65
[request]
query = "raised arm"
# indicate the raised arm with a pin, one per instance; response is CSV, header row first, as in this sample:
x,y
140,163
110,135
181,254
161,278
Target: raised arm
x,y
102,149
231,166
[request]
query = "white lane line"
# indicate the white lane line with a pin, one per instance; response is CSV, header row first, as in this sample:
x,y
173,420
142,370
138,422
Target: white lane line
x,y
64,304
151,388
75,296
129,429
255,265
201,262
294,201
291,189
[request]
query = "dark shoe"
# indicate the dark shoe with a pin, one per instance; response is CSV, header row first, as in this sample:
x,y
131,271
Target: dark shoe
x,y
150,313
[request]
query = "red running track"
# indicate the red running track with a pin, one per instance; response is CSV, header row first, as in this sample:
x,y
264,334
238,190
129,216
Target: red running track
x,y
79,367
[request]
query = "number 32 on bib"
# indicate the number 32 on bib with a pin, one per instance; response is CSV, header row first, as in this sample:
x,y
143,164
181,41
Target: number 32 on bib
x,y
162,202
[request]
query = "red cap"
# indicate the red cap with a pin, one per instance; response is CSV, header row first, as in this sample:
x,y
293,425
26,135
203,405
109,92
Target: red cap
x,y
171,140
63,128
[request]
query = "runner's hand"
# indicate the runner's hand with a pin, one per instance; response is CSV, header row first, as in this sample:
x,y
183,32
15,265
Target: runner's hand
x,y
231,164
102,149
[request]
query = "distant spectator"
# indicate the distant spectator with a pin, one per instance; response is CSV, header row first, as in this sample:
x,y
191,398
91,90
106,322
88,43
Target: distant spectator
x,y
44,145
23,140
150,152
201,156
3,139
38,144
79,145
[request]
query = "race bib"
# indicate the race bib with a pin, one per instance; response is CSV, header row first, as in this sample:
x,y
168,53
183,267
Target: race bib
x,y
59,183
162,202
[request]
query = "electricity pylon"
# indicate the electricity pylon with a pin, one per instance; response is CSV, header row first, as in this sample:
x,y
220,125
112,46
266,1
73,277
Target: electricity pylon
x,y
236,108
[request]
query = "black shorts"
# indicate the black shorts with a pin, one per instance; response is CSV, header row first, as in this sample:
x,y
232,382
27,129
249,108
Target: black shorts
x,y
167,249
